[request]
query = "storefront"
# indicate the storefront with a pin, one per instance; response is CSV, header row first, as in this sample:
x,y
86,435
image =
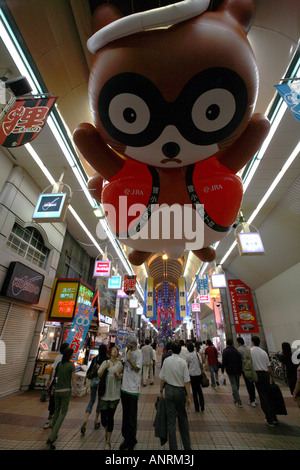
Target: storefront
x,y
67,295
20,325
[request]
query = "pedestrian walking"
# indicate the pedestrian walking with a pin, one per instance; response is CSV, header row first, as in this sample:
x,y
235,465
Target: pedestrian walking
x,y
242,349
232,363
194,362
65,379
211,355
261,365
51,385
110,399
148,357
288,367
130,391
167,353
92,374
184,351
175,381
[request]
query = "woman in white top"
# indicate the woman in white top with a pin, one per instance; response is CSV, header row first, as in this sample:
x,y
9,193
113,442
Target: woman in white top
x,y
109,401
194,362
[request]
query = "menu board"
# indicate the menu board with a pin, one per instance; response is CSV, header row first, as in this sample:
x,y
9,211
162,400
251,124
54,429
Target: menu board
x,y
244,315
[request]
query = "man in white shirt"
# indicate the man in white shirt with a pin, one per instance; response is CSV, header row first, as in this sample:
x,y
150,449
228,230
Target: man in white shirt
x,y
148,356
130,391
175,378
261,365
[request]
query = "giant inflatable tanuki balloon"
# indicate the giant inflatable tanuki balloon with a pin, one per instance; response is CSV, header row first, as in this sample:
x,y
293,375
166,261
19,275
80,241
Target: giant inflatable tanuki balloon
x,y
174,123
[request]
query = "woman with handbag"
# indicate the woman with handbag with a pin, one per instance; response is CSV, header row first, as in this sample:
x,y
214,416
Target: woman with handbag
x,y
194,362
92,375
110,394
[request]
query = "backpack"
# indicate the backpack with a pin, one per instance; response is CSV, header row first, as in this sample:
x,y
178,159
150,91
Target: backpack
x,y
248,368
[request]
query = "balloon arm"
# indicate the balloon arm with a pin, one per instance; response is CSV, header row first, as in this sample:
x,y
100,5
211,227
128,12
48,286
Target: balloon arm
x,y
238,155
89,142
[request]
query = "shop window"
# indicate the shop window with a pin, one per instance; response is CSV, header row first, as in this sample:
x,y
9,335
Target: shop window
x,y
28,243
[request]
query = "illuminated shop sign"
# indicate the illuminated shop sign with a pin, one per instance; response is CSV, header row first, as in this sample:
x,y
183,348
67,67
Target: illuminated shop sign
x,y
218,281
196,307
22,283
114,282
67,294
102,268
50,208
250,243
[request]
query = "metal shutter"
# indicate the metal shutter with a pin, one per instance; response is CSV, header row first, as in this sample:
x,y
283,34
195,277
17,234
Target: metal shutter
x,y
17,327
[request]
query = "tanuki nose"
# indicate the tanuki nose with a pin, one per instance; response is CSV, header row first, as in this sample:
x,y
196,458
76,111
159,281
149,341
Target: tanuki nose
x,y
171,149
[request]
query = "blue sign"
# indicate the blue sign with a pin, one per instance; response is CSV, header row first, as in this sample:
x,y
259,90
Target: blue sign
x,y
81,323
202,284
115,282
290,92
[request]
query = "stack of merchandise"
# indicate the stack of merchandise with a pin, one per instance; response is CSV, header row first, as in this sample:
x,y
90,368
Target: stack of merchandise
x,y
80,383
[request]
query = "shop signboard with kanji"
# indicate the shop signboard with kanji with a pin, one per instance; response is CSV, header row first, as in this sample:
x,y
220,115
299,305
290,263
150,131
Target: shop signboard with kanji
x,y
244,315
25,120
129,284
66,295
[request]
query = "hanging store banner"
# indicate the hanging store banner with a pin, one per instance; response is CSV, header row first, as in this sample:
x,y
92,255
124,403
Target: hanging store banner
x,y
25,120
290,92
129,284
81,323
202,283
150,297
182,297
244,315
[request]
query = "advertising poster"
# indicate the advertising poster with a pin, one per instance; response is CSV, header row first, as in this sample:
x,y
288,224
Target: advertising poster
x,y
244,315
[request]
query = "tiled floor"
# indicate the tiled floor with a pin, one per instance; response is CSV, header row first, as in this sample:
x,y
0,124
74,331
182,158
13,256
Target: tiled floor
x,y
222,426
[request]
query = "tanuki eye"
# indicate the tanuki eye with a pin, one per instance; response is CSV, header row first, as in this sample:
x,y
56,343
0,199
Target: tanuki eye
x,y
129,113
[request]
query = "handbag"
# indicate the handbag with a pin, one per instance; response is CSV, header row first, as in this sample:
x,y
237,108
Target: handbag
x,y
93,370
277,400
205,380
248,368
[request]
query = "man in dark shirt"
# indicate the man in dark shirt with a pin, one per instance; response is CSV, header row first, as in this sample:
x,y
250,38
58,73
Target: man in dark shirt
x,y
232,363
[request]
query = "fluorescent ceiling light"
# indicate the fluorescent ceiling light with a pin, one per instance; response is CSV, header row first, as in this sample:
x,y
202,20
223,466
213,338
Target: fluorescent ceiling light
x,y
282,172
40,163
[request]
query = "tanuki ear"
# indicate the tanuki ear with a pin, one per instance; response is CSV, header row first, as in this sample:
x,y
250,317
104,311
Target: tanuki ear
x,y
242,10
103,15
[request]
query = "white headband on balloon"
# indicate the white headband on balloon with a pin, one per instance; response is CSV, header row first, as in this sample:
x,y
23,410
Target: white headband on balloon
x,y
159,17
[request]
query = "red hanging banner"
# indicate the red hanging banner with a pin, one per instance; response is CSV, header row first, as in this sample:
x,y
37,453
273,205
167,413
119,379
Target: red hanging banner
x,y
25,120
129,284
244,315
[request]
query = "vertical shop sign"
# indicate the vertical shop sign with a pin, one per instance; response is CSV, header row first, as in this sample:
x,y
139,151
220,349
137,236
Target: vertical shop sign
x,y
244,315
81,323
129,284
149,297
202,284
182,297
